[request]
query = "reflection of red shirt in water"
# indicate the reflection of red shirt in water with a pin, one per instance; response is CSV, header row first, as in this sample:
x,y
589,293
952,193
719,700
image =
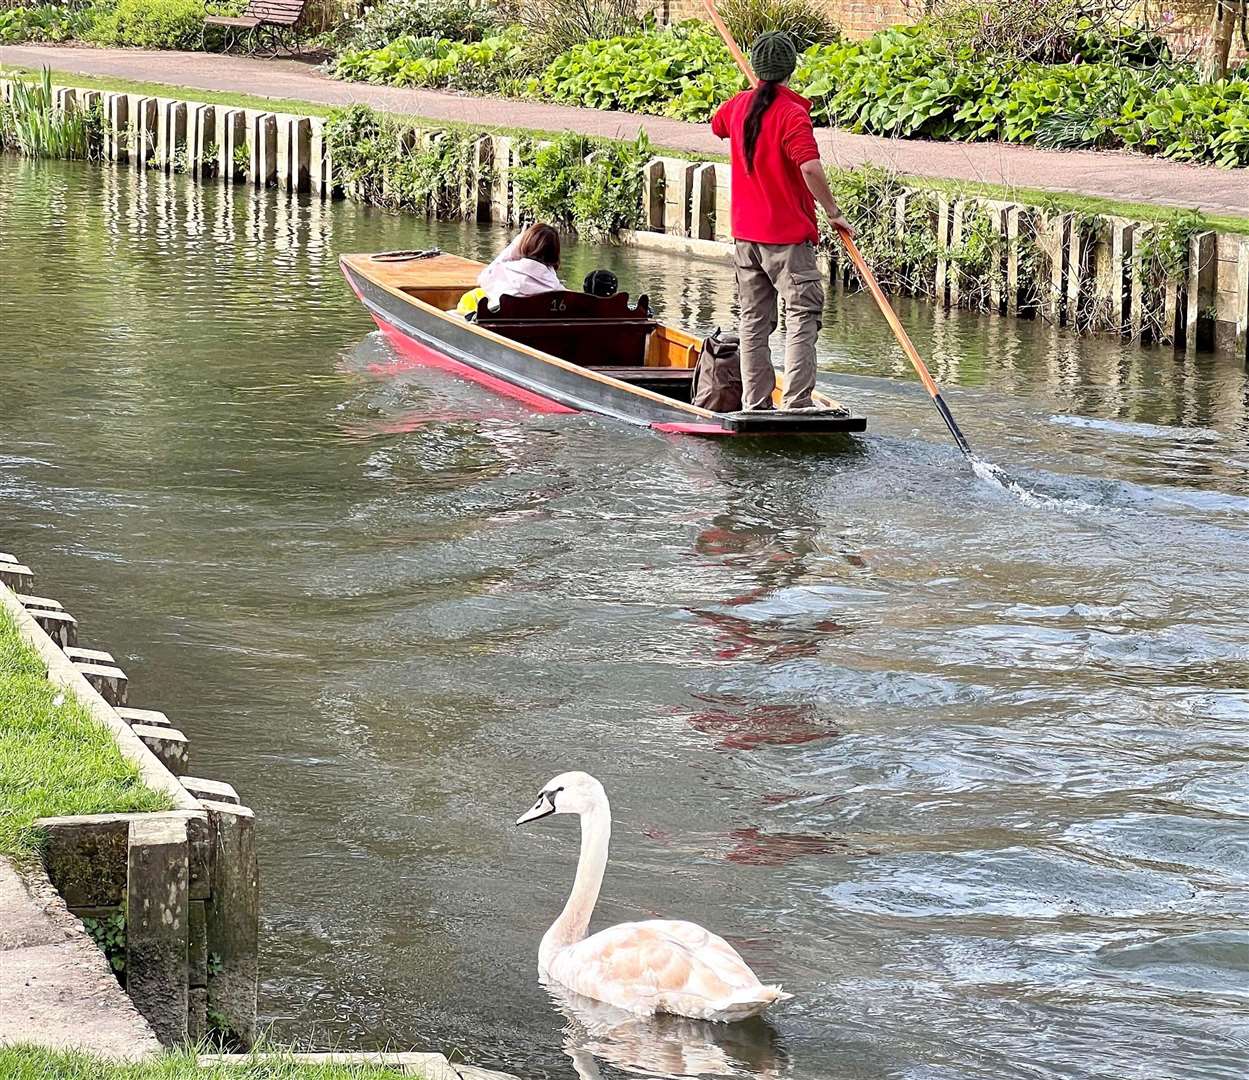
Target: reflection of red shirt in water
x,y
772,204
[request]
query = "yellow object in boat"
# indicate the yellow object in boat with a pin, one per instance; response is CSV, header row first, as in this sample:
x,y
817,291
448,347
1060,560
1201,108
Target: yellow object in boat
x,y
468,302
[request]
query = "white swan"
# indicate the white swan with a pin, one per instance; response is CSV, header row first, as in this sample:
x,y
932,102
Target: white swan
x,y
659,966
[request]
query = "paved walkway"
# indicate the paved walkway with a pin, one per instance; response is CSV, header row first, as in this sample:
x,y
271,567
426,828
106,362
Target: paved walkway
x,y
56,989
1109,175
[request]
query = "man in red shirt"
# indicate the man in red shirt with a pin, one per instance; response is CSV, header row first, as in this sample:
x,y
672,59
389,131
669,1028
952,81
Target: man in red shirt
x,y
777,180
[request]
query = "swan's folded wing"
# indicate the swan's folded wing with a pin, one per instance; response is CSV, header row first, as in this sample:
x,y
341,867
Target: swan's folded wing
x,y
656,966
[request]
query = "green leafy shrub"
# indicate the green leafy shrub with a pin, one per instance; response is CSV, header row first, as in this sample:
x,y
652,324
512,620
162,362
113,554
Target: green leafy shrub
x,y
384,162
151,24
893,84
801,20
453,20
578,183
43,22
559,25
684,72
1120,90
362,142
1193,122
1069,105
495,64
591,187
903,260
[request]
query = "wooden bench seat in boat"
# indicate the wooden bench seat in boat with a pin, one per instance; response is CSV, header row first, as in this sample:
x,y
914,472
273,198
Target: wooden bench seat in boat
x,y
593,331
673,382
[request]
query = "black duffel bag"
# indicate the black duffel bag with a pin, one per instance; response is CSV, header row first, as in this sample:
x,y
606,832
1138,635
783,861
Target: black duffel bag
x,y
718,373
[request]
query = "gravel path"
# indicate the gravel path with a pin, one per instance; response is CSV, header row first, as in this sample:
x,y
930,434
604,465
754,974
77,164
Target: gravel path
x,y
1098,173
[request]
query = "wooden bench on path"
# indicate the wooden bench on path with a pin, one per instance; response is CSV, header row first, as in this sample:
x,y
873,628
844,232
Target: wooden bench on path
x,y
264,27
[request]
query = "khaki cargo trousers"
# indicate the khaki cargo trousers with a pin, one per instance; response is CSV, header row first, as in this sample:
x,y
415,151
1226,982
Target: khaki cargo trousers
x,y
765,271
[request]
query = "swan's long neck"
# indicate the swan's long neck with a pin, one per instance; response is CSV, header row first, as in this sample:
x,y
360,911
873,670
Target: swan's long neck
x,y
574,920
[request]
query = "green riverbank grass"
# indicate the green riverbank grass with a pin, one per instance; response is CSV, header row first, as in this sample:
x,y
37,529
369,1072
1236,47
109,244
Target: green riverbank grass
x,y
1087,204
54,758
36,1063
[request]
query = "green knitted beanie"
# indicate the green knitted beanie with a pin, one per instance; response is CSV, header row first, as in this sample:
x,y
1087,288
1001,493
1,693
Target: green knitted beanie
x,y
773,56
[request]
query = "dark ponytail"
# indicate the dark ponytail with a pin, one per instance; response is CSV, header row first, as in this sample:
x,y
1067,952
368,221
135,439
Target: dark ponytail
x,y
760,101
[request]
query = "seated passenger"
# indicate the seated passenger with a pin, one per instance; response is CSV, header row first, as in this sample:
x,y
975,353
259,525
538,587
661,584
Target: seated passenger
x,y
526,267
601,283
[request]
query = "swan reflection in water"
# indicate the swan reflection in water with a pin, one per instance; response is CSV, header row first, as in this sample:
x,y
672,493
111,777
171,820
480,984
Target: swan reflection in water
x,y
664,1046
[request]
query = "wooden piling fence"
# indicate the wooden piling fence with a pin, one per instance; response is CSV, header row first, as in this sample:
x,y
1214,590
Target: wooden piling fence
x,y
1084,272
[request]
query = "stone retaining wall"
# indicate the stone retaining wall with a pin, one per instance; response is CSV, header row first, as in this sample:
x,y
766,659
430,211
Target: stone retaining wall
x,y
1087,272
186,879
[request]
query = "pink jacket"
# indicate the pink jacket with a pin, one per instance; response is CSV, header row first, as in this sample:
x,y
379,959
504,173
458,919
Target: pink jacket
x,y
510,276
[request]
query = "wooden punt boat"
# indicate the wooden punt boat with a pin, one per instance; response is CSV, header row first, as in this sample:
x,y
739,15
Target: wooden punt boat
x,y
560,352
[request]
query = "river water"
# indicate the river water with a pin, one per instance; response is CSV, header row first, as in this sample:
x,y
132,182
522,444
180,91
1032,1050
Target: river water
x,y
964,767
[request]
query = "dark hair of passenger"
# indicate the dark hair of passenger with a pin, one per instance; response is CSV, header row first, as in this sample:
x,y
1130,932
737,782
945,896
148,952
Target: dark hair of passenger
x,y
760,101
540,243
600,283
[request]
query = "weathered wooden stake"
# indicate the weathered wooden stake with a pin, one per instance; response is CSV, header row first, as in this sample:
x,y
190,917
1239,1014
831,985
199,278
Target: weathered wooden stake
x,y
703,205
1200,294
233,920
60,626
958,213
157,932
202,141
232,135
108,680
1242,301
117,118
653,201
147,717
1138,292
998,218
678,191
168,744
477,189
295,153
501,179
262,141
197,970
941,281
19,578
1053,239
171,134
143,130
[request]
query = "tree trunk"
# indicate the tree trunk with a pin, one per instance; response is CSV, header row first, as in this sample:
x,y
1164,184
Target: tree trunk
x,y
1219,47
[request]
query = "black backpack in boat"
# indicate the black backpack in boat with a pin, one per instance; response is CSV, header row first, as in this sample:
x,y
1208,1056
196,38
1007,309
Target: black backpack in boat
x,y
718,373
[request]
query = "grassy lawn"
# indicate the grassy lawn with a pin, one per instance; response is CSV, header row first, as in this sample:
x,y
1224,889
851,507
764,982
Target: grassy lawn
x,y
1088,204
54,759
31,1063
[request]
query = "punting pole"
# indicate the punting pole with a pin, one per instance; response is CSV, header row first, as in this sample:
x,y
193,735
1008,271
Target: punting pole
x,y
865,271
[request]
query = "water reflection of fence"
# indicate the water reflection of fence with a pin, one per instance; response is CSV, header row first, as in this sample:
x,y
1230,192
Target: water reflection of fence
x,y
1093,273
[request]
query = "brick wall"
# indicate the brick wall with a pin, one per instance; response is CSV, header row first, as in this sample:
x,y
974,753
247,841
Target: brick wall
x,y
858,18
1185,22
